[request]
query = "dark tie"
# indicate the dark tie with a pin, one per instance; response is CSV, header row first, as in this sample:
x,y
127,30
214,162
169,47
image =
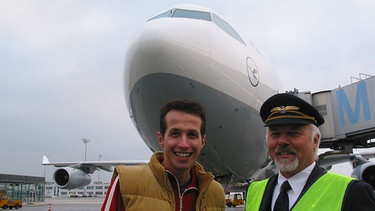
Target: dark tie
x,y
282,201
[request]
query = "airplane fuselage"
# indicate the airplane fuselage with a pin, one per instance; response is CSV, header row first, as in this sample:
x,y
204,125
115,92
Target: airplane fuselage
x,y
182,57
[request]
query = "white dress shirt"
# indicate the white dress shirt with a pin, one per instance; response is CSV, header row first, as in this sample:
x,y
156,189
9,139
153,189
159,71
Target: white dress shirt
x,y
297,182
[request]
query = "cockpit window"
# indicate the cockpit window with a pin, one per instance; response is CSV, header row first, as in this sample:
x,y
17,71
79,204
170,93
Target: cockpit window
x,y
163,15
226,27
200,15
179,13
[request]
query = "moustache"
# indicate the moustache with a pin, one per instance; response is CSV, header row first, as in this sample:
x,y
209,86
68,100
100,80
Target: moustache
x,y
285,149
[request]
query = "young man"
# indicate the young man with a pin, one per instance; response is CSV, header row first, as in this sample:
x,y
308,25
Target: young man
x,y
172,180
293,139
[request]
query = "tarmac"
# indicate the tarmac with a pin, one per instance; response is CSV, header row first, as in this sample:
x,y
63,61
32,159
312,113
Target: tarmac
x,y
66,204
78,204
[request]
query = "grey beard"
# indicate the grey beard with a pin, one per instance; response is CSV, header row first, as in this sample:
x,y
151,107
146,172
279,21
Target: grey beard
x,y
285,165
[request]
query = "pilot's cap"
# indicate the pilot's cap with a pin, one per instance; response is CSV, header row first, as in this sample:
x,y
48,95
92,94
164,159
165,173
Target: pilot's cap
x,y
286,109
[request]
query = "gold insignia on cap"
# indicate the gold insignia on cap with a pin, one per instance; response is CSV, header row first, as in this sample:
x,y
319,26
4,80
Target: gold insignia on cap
x,y
282,110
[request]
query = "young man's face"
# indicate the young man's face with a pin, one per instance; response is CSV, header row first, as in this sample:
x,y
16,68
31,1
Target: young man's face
x,y
182,141
292,147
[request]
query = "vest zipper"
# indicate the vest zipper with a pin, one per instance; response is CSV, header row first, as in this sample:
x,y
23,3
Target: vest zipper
x,y
181,196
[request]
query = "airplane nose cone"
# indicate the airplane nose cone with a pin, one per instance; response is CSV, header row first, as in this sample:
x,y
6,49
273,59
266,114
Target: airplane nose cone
x,y
174,47
179,36
149,45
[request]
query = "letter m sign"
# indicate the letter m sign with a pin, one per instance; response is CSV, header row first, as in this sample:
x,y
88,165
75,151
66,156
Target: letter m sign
x,y
361,104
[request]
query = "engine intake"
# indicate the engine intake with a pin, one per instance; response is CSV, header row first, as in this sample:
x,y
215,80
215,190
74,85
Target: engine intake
x,y
365,172
68,178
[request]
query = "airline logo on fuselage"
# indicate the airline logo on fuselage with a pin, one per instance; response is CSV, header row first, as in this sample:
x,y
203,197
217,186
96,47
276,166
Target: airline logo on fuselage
x,y
252,71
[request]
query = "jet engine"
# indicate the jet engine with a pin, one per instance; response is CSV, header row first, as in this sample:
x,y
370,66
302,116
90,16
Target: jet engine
x,y
69,178
365,172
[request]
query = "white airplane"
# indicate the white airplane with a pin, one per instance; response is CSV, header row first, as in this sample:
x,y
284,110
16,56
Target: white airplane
x,y
191,52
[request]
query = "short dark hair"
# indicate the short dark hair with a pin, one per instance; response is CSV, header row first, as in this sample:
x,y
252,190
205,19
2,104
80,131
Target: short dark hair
x,y
187,106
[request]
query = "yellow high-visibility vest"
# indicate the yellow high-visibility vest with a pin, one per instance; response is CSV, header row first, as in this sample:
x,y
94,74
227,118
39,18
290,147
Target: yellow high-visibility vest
x,y
327,193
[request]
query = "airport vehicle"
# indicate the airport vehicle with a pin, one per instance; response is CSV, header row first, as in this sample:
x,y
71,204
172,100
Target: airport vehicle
x,y
234,198
190,52
6,203
75,195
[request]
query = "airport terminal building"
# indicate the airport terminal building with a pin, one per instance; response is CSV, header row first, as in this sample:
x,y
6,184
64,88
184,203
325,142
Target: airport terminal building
x,y
29,189
95,189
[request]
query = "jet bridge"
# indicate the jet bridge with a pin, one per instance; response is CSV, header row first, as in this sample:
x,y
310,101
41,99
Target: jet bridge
x,y
349,114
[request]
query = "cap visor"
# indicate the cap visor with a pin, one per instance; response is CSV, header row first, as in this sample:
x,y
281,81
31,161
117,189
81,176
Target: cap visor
x,y
289,122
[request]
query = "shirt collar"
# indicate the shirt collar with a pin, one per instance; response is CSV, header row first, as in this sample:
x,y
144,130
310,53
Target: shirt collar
x,y
298,181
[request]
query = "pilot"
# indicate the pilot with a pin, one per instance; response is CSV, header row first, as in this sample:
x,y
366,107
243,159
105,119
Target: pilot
x,y
293,139
173,179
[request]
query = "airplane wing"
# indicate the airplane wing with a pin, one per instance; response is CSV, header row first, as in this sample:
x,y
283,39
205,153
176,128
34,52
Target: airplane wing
x,y
71,175
363,169
328,159
92,165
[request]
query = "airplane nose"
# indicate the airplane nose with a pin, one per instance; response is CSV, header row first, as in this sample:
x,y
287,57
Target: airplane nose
x,y
151,45
174,37
170,47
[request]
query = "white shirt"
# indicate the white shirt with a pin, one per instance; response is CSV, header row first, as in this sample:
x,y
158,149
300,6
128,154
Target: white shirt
x,y
297,182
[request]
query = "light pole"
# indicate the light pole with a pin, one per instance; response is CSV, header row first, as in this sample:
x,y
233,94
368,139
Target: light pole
x,y
85,141
100,155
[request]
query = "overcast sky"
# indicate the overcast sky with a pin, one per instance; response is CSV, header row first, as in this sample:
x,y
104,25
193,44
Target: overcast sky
x,y
62,66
